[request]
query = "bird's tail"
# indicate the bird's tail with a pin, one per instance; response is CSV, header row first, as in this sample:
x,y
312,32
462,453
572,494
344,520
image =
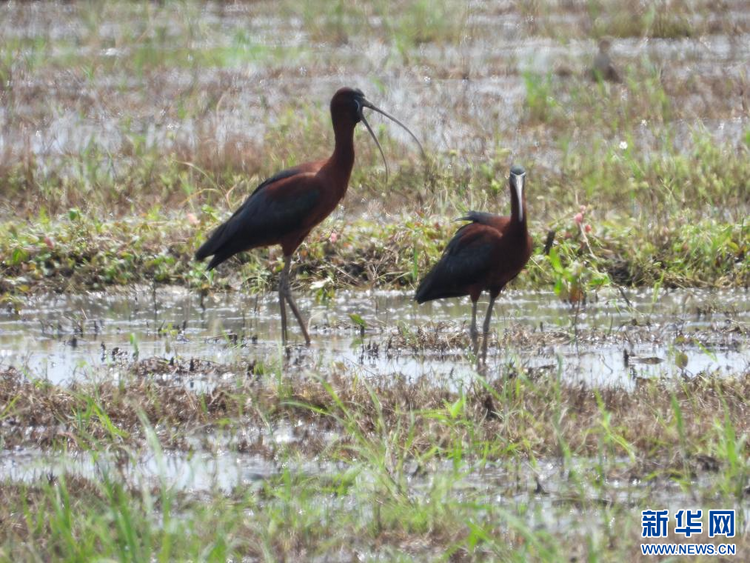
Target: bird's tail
x,y
425,288
203,252
212,247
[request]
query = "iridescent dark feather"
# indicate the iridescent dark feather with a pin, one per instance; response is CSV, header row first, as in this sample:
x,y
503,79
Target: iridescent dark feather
x,y
466,261
275,209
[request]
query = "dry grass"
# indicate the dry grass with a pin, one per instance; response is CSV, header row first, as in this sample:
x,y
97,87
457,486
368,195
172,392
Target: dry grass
x,y
162,108
538,415
424,471
130,129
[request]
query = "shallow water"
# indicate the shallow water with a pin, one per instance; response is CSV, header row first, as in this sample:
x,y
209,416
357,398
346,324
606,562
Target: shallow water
x,y
460,94
543,494
99,335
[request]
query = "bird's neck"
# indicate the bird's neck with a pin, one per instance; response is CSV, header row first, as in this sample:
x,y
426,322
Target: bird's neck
x,y
342,159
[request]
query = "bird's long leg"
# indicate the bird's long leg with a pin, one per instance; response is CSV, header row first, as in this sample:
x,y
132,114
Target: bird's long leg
x,y
282,306
486,327
282,285
473,330
290,300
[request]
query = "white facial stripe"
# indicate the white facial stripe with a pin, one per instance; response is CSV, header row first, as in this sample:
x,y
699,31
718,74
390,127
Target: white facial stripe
x,y
519,194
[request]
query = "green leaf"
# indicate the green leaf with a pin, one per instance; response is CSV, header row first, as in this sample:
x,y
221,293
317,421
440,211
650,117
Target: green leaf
x,y
554,260
357,320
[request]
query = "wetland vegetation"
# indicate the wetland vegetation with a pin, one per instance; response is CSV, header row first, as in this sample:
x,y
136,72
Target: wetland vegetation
x,y
167,429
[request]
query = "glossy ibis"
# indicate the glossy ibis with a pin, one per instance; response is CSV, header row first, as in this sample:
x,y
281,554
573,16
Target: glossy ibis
x,y
285,208
603,68
484,255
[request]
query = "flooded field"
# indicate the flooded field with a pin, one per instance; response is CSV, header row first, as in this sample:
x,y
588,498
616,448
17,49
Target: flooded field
x,y
461,92
609,342
582,417
218,85
550,500
148,410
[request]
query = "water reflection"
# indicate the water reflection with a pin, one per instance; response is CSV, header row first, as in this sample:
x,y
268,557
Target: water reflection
x,y
607,342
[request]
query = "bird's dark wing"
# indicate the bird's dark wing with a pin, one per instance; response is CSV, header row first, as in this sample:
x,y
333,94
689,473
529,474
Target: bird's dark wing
x,y
497,222
466,261
283,175
277,207
479,217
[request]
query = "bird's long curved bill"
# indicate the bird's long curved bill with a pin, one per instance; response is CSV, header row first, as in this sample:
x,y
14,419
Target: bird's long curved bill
x,y
519,194
366,104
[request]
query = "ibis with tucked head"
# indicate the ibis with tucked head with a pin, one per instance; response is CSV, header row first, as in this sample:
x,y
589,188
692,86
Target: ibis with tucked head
x,y
603,68
484,255
286,207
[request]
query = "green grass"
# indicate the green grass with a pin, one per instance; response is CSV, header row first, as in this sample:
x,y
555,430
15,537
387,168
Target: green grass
x,y
417,470
200,102
671,217
80,251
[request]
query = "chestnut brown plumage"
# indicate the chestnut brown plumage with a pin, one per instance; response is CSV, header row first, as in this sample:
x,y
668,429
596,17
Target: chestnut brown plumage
x,y
285,208
484,255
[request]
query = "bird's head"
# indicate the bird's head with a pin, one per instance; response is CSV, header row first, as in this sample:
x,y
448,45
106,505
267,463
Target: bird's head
x,y
605,43
517,179
350,102
347,102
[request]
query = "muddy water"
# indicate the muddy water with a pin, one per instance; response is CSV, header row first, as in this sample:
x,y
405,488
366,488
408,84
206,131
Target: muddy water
x,y
608,342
